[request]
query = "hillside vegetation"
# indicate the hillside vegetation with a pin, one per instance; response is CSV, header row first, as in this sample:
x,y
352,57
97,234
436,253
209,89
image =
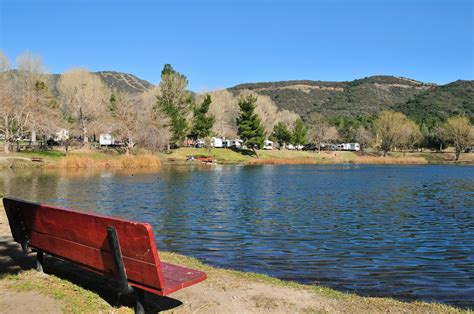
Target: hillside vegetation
x,y
364,97
369,96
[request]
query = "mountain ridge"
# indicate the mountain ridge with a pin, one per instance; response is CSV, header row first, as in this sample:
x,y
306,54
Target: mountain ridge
x,y
364,97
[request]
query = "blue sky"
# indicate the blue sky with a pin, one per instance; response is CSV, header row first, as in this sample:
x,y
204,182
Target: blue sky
x,y
219,44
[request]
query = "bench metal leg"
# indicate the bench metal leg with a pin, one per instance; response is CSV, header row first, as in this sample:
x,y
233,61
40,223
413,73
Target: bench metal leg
x,y
140,306
114,244
39,261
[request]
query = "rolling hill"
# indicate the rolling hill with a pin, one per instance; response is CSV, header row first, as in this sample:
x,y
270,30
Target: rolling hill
x,y
368,96
364,97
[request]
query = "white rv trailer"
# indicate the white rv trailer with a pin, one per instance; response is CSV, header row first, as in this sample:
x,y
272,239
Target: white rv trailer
x,y
354,146
268,145
62,135
217,142
346,146
233,143
106,139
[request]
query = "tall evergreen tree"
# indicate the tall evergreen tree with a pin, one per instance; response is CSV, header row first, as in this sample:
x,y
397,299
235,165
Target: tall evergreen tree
x,y
202,123
249,125
281,134
174,101
299,132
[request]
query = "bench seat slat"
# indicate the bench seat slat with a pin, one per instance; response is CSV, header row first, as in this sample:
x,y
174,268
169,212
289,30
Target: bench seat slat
x,y
94,259
89,229
178,277
81,238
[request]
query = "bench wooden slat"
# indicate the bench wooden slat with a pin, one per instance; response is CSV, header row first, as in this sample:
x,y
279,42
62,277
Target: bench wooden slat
x,y
89,229
81,238
94,259
177,277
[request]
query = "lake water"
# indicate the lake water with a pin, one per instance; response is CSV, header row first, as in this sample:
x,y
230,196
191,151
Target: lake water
x,y
400,231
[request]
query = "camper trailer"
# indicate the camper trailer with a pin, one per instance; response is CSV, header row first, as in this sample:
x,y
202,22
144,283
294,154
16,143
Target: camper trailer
x,y
217,142
346,146
354,147
106,139
233,143
268,145
62,135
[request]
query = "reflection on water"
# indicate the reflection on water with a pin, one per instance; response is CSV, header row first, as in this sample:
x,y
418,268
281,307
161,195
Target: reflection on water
x,y
402,231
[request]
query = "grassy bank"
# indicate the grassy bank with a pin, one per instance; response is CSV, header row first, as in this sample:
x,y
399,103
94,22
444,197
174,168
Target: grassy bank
x,y
81,159
227,156
77,299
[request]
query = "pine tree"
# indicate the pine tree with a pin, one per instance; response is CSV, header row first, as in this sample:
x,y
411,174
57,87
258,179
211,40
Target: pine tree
x,y
281,134
250,128
299,132
174,101
202,123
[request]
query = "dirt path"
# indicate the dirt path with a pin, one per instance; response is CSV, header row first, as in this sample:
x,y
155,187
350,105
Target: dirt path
x,y
27,302
223,292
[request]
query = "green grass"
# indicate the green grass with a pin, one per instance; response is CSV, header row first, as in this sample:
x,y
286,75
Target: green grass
x,y
222,155
75,299
50,154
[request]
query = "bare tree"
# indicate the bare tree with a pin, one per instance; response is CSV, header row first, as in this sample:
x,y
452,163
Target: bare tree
x,y
321,131
155,131
32,91
14,114
225,109
458,131
83,98
363,136
125,122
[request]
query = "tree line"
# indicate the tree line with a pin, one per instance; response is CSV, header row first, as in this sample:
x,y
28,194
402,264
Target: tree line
x,y
168,114
388,131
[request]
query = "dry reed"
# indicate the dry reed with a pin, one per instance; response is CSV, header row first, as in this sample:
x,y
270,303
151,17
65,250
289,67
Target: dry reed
x,y
123,162
389,160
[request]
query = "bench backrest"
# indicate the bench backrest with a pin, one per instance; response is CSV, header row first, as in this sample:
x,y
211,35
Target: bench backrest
x,y
81,237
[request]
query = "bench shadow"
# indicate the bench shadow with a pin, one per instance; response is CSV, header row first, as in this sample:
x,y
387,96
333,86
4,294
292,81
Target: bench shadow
x,y
13,261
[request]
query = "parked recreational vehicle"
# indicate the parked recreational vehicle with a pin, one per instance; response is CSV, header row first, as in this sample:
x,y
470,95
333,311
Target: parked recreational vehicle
x,y
106,139
233,143
62,135
354,146
346,146
217,142
268,145
200,143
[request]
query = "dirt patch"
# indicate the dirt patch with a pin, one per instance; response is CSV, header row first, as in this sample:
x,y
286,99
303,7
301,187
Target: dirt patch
x,y
27,302
4,227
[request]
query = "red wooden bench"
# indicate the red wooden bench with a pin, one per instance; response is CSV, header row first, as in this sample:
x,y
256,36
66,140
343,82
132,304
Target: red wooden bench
x,y
109,246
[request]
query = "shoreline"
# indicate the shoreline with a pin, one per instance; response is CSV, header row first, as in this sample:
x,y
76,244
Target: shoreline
x,y
225,290
113,160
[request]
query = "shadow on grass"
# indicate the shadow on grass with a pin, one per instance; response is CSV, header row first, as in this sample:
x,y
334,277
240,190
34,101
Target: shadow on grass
x,y
13,261
244,152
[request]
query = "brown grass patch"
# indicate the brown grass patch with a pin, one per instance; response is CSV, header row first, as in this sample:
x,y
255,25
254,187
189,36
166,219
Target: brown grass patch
x,y
283,161
389,160
122,162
